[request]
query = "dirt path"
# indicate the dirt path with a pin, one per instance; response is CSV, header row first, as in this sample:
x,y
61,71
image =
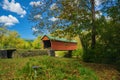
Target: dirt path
x,y
104,72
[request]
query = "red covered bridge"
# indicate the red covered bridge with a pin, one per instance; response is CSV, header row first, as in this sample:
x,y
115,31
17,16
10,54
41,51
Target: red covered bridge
x,y
57,44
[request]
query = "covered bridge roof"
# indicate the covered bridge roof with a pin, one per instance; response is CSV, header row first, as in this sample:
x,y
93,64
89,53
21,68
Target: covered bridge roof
x,y
59,39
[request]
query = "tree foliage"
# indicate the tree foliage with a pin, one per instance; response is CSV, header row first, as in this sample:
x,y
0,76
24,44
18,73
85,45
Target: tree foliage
x,y
107,48
44,16
11,39
37,43
96,25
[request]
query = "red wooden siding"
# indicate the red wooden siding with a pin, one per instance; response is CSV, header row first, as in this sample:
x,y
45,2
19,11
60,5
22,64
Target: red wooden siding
x,y
58,45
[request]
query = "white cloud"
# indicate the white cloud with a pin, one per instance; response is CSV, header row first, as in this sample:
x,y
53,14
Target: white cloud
x,y
38,3
97,2
53,6
53,19
22,16
13,7
8,20
38,16
34,29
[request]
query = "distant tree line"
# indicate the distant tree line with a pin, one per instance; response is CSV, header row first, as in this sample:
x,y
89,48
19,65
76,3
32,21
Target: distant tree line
x,y
11,39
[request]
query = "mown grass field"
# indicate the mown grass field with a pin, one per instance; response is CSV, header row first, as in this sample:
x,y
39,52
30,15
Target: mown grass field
x,y
51,68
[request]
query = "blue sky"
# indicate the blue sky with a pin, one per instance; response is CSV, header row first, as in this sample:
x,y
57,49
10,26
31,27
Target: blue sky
x,y
14,14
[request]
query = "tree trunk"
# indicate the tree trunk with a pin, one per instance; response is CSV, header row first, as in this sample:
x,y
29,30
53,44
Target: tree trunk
x,y
93,37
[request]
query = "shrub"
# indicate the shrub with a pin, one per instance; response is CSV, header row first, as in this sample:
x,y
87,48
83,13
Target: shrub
x,y
89,56
78,53
102,55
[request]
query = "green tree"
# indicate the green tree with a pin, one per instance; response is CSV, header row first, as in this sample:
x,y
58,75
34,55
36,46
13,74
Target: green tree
x,y
3,33
109,33
79,13
98,35
107,39
20,43
41,16
37,43
12,39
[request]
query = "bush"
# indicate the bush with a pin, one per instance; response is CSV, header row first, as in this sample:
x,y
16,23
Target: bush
x,y
89,56
78,53
102,55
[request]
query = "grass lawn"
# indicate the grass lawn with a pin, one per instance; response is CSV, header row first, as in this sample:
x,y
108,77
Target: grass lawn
x,y
50,68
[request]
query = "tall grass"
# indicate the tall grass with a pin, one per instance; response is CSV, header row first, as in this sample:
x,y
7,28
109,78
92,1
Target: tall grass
x,y
50,68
